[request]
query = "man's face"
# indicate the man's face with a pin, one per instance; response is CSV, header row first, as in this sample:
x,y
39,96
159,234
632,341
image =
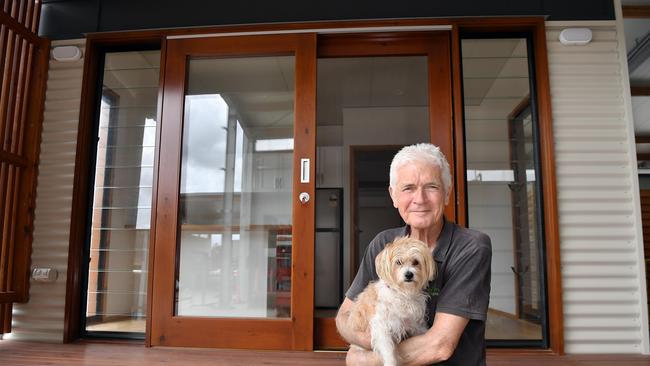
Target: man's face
x,y
419,195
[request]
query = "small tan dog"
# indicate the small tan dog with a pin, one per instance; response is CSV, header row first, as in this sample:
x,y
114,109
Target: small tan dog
x,y
394,307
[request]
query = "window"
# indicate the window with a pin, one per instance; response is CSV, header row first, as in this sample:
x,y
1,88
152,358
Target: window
x,y
503,184
235,219
121,200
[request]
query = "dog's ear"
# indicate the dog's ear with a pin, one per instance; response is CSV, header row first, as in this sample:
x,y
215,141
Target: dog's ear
x,y
430,267
382,264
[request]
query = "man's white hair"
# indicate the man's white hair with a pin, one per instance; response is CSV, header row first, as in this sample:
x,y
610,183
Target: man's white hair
x,y
423,152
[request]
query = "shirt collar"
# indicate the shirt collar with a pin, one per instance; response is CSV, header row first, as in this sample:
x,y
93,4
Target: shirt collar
x,y
444,239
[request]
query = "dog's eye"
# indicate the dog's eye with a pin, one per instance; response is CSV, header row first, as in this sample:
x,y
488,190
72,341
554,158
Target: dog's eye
x,y
415,262
398,262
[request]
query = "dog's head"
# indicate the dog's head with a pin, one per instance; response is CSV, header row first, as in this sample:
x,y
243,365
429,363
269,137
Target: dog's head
x,y
406,263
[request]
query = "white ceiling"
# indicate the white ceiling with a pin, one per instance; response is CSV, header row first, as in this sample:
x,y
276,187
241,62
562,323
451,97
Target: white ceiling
x,y
261,88
369,82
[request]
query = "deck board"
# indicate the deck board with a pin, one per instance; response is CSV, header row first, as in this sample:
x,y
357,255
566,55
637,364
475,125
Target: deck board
x,y
17,353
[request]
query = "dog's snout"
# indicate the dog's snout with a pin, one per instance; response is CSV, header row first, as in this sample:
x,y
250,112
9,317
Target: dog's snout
x,y
408,275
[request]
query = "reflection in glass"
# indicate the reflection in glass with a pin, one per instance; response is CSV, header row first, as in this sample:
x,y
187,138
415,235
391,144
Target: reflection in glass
x,y
121,213
235,188
502,181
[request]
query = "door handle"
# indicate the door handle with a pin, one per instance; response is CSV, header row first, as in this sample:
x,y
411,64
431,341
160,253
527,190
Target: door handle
x,y
304,171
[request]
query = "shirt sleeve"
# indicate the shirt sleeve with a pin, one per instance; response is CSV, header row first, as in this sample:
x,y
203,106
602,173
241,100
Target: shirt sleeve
x,y
367,271
466,291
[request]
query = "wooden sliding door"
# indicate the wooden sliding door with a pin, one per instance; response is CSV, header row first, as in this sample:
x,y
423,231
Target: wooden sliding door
x,y
234,229
239,260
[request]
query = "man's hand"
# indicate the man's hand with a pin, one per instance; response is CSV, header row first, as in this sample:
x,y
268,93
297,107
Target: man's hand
x,y
358,356
437,344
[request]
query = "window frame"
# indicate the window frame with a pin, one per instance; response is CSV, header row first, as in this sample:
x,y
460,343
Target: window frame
x,y
92,162
85,160
548,235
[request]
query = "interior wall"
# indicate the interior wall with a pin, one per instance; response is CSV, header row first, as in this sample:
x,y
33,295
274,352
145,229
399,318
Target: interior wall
x,y
375,126
491,213
42,317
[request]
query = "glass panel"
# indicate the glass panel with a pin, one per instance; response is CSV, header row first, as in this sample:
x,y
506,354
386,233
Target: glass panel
x,y
501,181
235,195
641,111
121,214
367,108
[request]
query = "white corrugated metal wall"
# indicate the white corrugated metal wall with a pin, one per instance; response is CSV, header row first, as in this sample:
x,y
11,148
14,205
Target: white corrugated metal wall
x,y
598,197
42,317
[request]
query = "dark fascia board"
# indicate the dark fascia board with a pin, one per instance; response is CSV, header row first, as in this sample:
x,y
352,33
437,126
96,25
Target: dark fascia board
x,y
65,19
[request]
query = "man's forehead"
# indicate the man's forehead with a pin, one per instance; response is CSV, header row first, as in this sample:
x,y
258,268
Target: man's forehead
x,y
418,178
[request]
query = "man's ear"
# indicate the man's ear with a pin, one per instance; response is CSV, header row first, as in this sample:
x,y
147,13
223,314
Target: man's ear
x,y
391,192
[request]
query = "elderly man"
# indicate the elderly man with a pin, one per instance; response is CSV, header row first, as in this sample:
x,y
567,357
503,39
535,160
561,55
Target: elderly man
x,y
420,182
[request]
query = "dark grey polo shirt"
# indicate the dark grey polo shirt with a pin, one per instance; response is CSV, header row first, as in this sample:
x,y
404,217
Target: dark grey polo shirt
x,y
462,287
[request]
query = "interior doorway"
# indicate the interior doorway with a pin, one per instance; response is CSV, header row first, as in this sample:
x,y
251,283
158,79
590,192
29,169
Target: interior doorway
x,y
372,206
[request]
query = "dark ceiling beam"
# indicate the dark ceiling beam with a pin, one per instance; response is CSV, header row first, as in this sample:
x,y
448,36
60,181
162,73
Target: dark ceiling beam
x,y
636,11
640,91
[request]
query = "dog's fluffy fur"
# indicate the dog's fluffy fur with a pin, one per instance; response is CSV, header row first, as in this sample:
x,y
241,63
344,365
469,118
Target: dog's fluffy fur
x,y
394,307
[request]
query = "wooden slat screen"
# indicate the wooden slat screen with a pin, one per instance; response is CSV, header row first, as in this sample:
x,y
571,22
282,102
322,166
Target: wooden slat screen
x,y
23,70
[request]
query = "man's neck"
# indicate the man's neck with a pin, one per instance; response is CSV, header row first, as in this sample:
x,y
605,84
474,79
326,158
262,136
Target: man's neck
x,y
428,236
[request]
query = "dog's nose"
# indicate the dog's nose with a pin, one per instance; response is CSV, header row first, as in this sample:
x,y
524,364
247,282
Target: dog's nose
x,y
408,275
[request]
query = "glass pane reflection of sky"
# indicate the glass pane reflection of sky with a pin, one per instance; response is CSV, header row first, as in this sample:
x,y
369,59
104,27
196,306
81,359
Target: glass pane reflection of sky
x,y
204,149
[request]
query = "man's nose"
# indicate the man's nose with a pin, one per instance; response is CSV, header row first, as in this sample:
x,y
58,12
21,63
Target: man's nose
x,y
419,195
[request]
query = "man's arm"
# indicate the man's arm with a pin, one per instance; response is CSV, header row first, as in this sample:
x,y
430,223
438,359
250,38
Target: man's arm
x,y
361,339
437,344
358,354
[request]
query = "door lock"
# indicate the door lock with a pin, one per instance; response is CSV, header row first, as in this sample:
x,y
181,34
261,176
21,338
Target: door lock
x,y
304,197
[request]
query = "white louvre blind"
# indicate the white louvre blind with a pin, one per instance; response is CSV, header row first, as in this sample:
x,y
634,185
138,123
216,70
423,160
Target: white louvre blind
x,y
601,246
42,317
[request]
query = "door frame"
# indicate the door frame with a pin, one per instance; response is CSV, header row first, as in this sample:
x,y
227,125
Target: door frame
x,y
535,25
167,329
